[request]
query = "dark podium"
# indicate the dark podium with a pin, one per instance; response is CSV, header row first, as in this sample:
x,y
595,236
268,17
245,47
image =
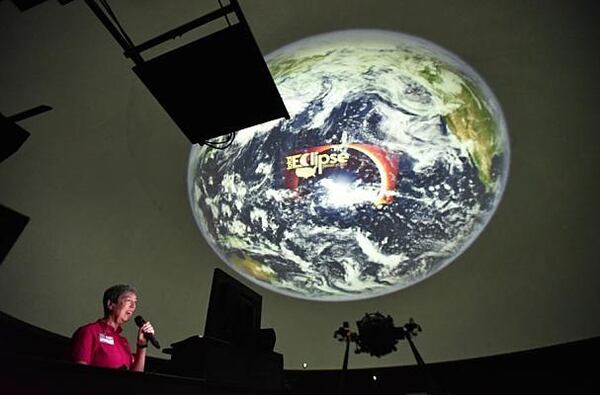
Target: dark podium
x,y
234,349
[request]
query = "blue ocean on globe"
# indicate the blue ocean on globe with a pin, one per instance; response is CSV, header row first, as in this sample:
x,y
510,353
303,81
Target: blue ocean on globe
x,y
394,159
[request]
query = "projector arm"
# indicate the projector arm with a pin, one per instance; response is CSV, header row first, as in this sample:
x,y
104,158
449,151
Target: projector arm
x,y
121,37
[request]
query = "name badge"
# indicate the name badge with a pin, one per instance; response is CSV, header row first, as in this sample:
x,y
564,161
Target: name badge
x,y
107,339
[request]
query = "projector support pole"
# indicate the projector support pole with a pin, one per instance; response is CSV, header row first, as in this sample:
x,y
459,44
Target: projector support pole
x,y
414,350
344,367
123,41
434,388
181,30
134,51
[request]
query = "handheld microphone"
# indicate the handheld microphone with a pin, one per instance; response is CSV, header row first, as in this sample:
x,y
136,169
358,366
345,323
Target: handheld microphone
x,y
139,321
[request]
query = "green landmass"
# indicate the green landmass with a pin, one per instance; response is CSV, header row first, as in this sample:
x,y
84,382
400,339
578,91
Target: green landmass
x,y
473,121
246,263
281,68
256,269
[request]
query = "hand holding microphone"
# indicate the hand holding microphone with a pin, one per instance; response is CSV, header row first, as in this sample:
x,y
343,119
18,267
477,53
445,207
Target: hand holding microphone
x,y
146,331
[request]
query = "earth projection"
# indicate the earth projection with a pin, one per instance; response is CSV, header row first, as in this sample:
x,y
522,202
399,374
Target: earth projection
x,y
393,160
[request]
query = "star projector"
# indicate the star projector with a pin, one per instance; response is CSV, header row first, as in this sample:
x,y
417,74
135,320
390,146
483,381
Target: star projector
x,y
393,160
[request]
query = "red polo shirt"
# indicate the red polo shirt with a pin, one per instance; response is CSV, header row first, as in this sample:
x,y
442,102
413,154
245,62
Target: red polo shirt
x,y
98,344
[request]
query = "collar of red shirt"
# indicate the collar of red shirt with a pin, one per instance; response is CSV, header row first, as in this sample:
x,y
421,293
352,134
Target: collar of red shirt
x,y
107,327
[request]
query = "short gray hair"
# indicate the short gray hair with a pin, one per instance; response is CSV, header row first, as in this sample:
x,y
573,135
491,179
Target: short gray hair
x,y
113,294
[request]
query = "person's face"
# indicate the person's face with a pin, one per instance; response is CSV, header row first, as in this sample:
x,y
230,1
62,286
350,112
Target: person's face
x,y
124,308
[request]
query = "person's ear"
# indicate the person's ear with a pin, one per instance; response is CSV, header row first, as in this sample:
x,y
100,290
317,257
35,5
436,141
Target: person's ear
x,y
110,305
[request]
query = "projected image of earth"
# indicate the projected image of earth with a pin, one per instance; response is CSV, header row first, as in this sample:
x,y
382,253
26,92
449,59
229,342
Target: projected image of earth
x,y
393,160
